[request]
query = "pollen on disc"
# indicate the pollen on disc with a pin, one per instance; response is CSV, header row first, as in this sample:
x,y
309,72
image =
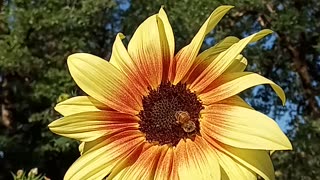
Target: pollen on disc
x,y
170,113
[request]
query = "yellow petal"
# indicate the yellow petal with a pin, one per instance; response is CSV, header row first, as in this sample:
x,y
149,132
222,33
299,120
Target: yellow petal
x,y
81,147
242,127
271,152
146,164
87,146
121,59
168,30
238,65
103,157
121,62
125,165
257,160
203,60
167,38
234,101
223,61
214,51
211,53
175,166
165,163
79,104
88,126
104,82
195,160
186,57
224,175
233,169
233,83
149,48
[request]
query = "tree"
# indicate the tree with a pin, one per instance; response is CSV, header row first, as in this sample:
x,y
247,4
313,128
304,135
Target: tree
x,y
36,38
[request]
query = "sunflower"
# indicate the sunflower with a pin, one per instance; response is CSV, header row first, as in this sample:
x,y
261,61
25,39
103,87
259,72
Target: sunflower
x,y
153,114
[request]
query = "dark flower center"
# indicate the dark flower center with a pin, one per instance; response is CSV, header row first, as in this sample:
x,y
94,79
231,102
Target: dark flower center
x,y
170,113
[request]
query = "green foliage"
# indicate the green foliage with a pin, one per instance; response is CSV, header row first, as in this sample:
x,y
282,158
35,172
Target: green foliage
x,y
304,161
37,36
32,175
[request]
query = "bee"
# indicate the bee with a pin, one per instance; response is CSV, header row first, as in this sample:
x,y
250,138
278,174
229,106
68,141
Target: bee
x,y
183,118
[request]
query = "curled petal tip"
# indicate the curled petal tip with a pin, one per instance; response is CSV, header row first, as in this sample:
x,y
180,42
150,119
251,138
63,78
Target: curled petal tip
x,y
268,31
122,36
226,6
265,32
51,125
261,34
283,102
288,145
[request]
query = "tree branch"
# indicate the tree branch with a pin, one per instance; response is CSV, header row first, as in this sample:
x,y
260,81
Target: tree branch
x,y
301,67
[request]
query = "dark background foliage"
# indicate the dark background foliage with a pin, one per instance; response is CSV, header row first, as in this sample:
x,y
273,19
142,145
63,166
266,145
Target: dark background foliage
x,y
36,36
